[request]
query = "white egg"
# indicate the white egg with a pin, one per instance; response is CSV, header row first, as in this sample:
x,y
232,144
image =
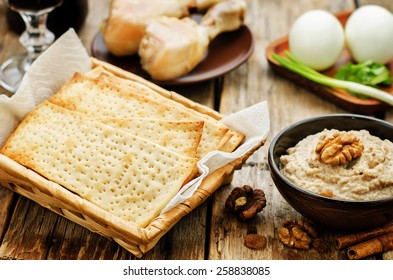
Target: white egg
x,y
317,39
369,34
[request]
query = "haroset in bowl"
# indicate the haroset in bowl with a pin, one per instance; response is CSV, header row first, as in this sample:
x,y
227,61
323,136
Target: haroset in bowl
x,y
326,211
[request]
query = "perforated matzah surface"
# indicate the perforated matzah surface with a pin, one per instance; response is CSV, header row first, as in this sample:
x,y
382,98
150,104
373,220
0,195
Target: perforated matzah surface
x,y
128,176
228,143
182,137
100,98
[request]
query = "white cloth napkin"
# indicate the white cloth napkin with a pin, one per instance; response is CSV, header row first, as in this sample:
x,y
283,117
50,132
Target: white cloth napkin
x,y
67,56
253,122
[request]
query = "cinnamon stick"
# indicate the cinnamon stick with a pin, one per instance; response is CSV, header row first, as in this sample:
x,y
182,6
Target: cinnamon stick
x,y
377,245
351,239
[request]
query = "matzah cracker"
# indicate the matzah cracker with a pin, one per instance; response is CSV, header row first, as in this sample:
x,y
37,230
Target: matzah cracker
x,y
126,175
180,136
99,98
232,143
227,144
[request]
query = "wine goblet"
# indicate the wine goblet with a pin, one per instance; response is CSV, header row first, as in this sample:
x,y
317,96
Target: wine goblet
x,y
36,38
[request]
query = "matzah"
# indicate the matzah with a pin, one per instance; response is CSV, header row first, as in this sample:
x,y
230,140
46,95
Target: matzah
x,y
100,98
228,143
130,177
231,141
180,136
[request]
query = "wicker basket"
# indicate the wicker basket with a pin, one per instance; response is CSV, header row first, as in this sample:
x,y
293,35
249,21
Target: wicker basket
x,y
69,205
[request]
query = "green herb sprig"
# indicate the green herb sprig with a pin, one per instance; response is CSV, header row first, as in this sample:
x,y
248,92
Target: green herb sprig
x,y
292,64
366,73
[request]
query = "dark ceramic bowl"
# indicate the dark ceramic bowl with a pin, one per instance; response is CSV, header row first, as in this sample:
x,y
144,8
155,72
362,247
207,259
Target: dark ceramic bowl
x,y
328,212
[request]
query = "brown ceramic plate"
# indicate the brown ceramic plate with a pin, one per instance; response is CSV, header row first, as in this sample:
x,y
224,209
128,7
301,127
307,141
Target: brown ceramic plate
x,y
337,96
226,52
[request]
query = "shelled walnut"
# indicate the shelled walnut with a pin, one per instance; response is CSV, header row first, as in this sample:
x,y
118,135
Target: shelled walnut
x,y
339,149
297,234
246,202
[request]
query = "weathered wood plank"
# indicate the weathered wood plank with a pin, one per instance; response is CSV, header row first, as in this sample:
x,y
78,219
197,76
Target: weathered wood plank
x,y
70,241
27,236
185,241
7,199
98,11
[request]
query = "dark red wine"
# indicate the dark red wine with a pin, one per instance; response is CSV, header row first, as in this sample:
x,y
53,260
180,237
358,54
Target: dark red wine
x,y
33,5
71,13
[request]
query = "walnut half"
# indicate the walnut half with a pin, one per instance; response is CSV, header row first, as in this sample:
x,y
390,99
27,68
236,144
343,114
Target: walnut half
x,y
339,149
297,234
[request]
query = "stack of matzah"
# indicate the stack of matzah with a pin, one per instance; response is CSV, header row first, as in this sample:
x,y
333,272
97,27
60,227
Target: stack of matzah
x,y
117,144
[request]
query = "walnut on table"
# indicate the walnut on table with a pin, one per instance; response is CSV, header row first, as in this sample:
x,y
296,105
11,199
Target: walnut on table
x,y
245,202
297,234
339,149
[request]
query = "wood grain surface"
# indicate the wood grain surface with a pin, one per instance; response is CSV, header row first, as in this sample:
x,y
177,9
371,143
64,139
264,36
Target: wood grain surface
x,y
29,231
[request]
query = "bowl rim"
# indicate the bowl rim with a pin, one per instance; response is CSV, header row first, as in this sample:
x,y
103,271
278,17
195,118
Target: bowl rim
x,y
274,168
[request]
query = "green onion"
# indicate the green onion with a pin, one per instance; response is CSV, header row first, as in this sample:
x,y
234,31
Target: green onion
x,y
366,91
367,73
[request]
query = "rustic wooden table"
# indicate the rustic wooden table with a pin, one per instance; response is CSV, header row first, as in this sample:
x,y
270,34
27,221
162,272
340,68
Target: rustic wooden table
x,y
29,231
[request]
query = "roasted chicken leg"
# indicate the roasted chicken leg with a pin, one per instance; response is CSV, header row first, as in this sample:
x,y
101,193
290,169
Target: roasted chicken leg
x,y
125,25
172,47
